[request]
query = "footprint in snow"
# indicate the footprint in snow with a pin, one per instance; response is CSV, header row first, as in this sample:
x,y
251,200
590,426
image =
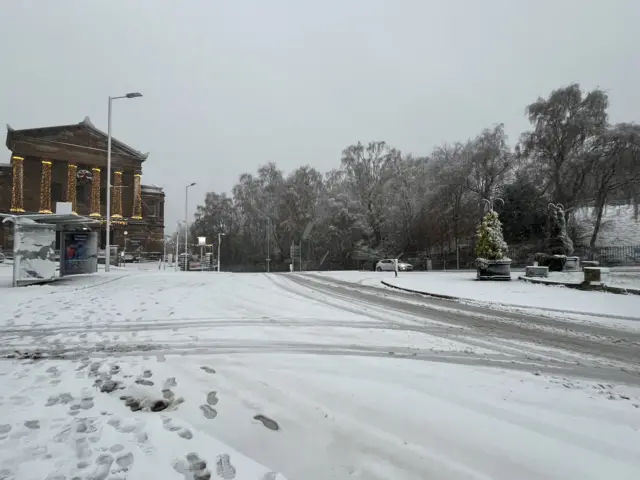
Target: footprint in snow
x,y
182,432
33,424
212,398
208,411
208,370
224,469
193,468
102,467
267,422
125,460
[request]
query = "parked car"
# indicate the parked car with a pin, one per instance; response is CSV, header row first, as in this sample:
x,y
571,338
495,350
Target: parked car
x,y
388,265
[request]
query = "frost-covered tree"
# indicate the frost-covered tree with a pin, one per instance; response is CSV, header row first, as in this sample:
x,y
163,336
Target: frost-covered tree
x,y
565,127
379,203
491,244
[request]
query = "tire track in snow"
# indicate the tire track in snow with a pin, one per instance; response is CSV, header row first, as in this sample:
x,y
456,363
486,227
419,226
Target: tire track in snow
x,y
493,326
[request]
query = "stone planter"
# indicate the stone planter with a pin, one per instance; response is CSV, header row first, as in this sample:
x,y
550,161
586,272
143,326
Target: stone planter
x,y
493,269
536,271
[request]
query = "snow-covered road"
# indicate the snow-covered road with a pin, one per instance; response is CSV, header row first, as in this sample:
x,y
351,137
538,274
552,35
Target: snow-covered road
x,y
258,374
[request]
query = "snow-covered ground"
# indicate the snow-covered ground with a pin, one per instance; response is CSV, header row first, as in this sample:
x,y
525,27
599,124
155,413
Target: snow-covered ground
x,y
619,226
253,374
571,304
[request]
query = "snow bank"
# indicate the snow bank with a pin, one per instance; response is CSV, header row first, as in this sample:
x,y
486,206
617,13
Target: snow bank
x,y
619,227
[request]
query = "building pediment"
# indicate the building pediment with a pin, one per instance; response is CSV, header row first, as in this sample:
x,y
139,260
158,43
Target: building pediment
x,y
83,137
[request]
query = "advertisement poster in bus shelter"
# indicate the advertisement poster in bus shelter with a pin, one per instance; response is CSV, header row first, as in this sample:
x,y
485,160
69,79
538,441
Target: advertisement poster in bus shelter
x,y
79,252
34,253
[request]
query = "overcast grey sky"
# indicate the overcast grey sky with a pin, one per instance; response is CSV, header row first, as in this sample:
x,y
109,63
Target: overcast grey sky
x,y
232,84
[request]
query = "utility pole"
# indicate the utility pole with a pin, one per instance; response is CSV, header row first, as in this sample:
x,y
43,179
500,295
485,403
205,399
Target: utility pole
x,y
186,226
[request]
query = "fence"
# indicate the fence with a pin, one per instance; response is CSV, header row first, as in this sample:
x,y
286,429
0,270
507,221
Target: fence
x,y
611,256
522,256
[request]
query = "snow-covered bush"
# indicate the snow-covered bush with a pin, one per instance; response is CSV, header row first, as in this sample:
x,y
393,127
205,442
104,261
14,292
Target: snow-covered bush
x,y
490,242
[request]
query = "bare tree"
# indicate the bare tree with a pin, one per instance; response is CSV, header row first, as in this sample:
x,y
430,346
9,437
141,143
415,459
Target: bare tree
x,y
491,160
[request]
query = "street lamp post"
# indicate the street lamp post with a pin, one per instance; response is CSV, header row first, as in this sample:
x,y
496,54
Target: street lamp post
x,y
175,261
186,225
220,235
164,253
107,253
124,250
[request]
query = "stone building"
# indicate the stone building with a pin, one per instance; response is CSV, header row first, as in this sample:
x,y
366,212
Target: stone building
x,y
68,163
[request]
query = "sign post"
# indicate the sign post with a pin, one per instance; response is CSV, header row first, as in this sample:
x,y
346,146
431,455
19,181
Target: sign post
x,y
202,242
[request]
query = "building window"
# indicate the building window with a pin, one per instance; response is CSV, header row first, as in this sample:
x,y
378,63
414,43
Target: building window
x,y
153,209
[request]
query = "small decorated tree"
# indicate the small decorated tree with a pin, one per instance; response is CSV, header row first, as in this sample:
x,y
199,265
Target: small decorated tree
x,y
491,244
491,249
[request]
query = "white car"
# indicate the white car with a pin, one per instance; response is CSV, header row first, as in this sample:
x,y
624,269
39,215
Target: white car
x,y
388,265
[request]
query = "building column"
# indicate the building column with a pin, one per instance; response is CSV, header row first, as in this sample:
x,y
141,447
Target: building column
x,y
17,185
137,196
45,187
95,192
116,202
72,172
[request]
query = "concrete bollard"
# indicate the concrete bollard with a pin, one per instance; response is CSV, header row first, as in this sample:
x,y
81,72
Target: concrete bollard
x,y
596,275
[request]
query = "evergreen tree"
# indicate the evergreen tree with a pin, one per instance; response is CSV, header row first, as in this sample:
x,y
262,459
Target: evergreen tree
x,y
491,244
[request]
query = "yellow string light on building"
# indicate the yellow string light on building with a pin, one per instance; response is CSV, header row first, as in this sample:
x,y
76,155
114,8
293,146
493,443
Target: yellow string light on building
x,y
45,187
95,193
72,171
137,202
117,195
17,185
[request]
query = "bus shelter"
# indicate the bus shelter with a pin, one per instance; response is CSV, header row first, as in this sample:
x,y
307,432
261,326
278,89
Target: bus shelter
x,y
35,259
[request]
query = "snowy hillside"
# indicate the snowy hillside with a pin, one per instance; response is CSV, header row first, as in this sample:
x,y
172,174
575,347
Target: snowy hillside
x,y
619,226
